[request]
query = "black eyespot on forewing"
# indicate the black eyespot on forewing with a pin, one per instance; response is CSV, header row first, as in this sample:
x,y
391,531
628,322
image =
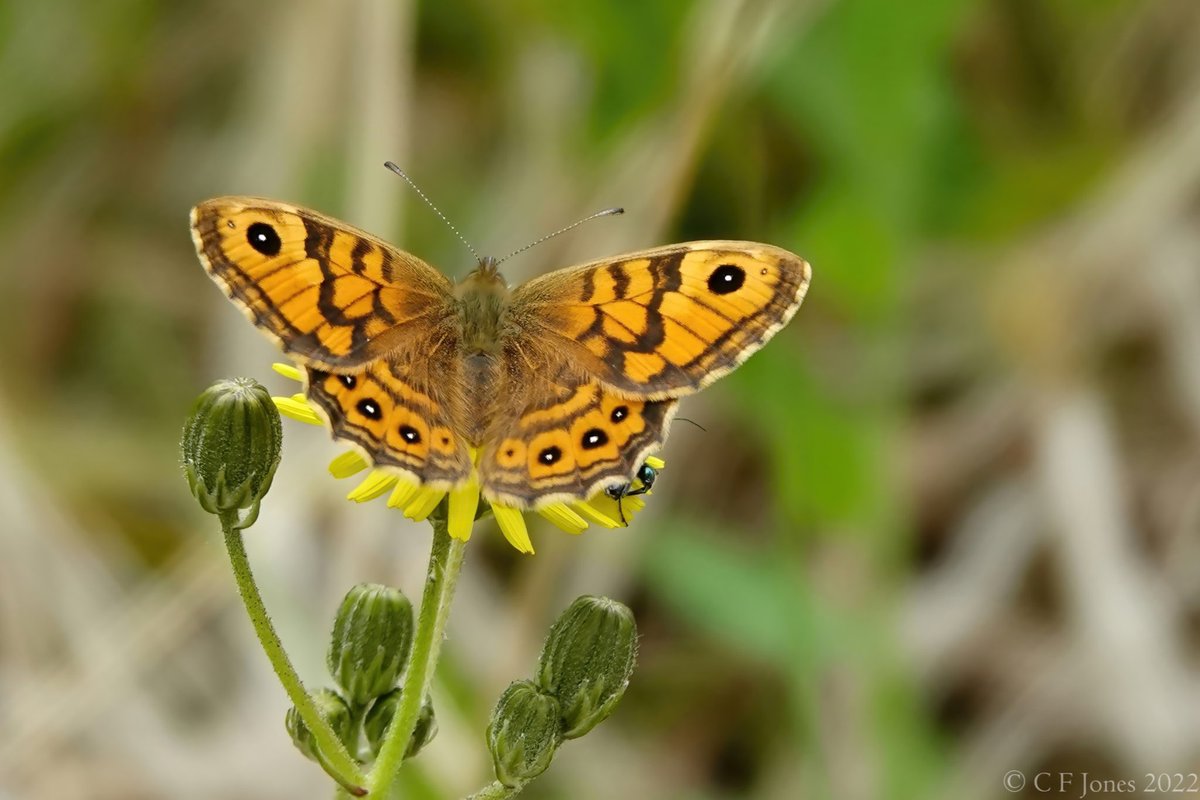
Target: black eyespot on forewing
x,y
410,434
726,279
349,381
369,408
594,438
550,455
263,238
619,413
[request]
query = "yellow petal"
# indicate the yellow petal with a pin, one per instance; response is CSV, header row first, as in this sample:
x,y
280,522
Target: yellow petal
x,y
287,371
512,525
403,494
561,515
423,503
655,462
376,484
464,502
298,410
614,510
596,515
347,464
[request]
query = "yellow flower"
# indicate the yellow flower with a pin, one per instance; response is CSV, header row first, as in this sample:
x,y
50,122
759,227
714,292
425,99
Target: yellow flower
x,y
418,502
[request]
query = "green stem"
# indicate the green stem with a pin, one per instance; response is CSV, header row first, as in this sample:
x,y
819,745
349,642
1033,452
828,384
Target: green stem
x,y
337,762
496,791
445,562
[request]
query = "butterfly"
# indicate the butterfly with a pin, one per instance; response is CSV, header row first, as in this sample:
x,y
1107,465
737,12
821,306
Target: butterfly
x,y
552,391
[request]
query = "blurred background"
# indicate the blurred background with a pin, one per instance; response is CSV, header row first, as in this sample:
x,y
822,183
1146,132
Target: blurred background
x,y
946,525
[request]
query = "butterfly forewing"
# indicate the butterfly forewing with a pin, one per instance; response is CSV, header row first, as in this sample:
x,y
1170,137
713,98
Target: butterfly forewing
x,y
332,296
667,322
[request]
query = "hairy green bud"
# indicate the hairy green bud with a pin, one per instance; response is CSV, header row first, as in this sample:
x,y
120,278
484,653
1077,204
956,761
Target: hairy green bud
x,y
231,445
335,710
524,733
379,718
587,660
372,636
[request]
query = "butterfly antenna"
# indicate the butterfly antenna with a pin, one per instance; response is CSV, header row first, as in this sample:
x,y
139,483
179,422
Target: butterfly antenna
x,y
392,166
692,422
608,212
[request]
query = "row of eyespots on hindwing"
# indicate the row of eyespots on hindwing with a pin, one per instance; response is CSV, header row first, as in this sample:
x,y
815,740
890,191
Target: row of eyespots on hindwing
x,y
359,409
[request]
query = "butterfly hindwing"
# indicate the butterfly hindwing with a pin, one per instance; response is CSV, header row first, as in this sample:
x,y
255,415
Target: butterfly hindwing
x,y
397,417
559,439
332,296
669,321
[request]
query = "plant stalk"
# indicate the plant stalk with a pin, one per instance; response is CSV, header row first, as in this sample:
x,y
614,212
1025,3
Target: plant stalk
x,y
337,761
496,791
445,562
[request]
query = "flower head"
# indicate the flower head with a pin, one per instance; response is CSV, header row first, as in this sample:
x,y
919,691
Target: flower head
x,y
372,636
524,733
587,660
380,717
231,446
606,509
337,714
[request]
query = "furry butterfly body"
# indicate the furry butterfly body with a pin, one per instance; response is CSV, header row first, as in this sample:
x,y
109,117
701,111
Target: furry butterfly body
x,y
553,391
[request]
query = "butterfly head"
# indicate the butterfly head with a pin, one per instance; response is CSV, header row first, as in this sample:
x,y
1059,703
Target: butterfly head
x,y
485,279
488,267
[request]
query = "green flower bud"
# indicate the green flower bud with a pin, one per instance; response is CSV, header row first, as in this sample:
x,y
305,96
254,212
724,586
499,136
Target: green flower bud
x,y
587,661
335,710
383,710
372,636
231,445
525,731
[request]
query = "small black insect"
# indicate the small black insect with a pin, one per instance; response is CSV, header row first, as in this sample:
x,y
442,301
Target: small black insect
x,y
646,474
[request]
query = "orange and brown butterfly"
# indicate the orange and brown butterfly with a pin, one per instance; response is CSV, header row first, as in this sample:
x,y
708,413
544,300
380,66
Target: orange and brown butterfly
x,y
550,392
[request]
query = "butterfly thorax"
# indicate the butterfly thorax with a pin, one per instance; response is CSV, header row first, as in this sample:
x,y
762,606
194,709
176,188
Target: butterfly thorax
x,y
482,297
